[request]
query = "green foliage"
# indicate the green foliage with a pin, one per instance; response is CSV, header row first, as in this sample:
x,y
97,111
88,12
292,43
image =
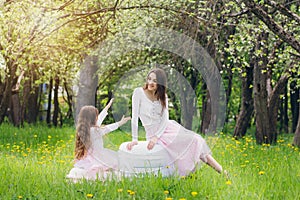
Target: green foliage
x,y
35,161
50,39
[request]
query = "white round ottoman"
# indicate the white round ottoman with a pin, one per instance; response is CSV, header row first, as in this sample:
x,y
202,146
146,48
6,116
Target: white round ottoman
x,y
140,160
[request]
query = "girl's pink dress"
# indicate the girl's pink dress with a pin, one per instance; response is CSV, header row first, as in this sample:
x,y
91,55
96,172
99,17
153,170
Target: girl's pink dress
x,y
99,163
185,147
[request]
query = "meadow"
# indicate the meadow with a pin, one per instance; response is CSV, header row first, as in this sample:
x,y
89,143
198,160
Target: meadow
x,y
34,161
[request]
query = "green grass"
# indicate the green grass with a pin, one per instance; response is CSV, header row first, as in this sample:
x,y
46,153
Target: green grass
x,y
35,160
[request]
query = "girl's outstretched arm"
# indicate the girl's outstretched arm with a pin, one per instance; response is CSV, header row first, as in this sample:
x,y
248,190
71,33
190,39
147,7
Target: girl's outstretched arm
x,y
103,113
109,104
101,117
111,127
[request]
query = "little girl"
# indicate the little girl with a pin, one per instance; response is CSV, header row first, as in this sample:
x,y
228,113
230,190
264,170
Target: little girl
x,y
92,160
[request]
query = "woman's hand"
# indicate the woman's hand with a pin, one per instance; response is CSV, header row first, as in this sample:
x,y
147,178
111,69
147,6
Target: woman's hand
x,y
123,120
131,144
152,142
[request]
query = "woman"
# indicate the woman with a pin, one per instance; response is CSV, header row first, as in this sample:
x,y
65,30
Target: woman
x,y
150,105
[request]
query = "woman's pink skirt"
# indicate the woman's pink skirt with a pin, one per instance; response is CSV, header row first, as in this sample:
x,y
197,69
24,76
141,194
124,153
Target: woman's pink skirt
x,y
185,147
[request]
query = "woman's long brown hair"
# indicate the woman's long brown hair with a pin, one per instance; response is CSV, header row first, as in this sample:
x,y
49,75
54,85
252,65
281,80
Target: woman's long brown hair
x,y
86,119
161,79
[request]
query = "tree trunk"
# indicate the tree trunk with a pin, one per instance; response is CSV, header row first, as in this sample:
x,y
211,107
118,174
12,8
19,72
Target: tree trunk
x,y
228,91
15,108
247,108
88,82
294,104
263,126
266,99
296,141
15,105
285,110
30,107
25,101
55,102
206,110
7,92
32,110
273,106
283,116
69,100
187,97
187,107
48,118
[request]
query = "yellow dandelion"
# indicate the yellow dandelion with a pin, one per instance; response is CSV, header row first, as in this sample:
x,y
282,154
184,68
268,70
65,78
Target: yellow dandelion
x,y
228,182
261,172
169,198
132,193
20,197
128,191
194,194
182,198
166,192
120,190
89,195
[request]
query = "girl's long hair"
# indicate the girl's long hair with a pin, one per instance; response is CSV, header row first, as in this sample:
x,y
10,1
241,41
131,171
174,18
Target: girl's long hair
x,y
86,119
161,79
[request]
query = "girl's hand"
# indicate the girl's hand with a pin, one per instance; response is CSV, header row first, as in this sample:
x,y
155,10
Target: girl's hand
x,y
109,104
152,142
123,120
131,144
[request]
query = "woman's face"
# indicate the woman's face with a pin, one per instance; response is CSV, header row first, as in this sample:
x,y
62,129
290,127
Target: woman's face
x,y
152,82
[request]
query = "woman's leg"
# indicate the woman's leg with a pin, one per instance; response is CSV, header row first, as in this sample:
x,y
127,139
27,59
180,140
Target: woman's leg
x,y
214,164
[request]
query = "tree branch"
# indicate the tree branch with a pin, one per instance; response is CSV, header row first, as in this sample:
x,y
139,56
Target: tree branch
x,y
272,25
65,4
237,14
283,10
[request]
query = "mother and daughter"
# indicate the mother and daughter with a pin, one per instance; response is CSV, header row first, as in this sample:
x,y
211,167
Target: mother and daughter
x,y
185,148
